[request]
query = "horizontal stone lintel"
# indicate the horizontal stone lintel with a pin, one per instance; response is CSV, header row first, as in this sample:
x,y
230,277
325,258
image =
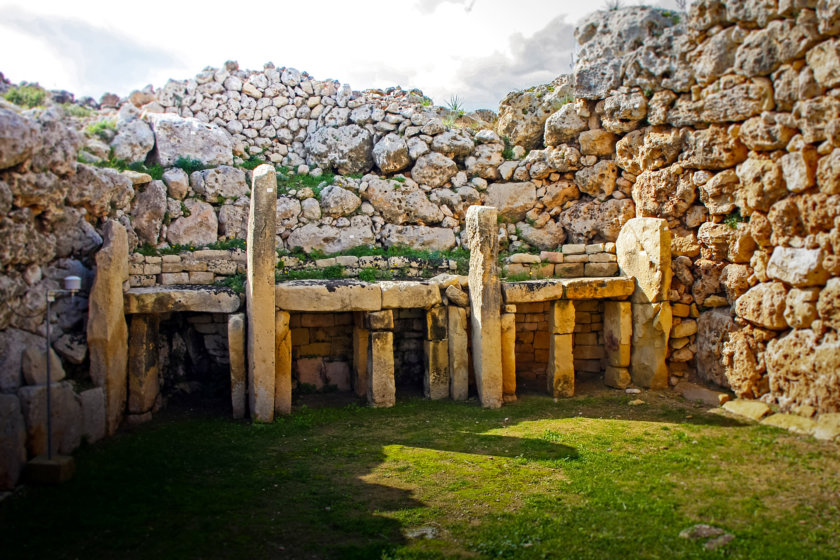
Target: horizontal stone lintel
x,y
328,296
165,299
533,291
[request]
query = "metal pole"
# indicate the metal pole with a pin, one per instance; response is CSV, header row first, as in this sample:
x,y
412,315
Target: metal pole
x,y
49,409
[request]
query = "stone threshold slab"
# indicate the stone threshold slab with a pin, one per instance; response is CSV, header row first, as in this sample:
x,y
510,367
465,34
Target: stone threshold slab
x,y
355,295
166,299
533,291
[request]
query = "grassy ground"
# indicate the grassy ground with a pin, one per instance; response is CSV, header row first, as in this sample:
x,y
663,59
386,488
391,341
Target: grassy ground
x,y
589,477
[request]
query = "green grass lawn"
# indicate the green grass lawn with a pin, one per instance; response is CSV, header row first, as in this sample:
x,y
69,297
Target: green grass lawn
x,y
588,477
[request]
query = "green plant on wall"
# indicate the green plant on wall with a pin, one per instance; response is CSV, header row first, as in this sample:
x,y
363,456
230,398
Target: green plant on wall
x,y
26,95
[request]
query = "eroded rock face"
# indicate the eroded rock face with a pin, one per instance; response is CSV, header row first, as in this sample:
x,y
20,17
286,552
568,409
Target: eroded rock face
x,y
149,209
434,169
713,328
805,370
649,149
548,238
564,125
591,221
330,239
337,201
177,137
716,147
402,202
666,193
134,140
764,306
222,181
512,200
598,180
523,114
18,138
199,228
391,154
419,237
347,149
643,249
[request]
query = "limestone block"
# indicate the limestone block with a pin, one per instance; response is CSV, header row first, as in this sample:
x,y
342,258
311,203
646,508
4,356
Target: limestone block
x,y
561,369
436,378
828,426
801,307
643,249
107,332
19,138
66,415
380,320
190,138
485,302
752,409
283,364
260,294
436,321
330,295
380,367
457,296
651,327
361,339
828,305
617,377
160,299
238,365
12,441
764,305
684,328
618,333
508,322
797,267
802,367
561,317
792,423
599,288
143,364
458,353
512,200
92,402
405,294
33,365
532,291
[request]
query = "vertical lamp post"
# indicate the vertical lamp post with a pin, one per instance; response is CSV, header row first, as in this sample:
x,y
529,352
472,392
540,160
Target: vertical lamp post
x,y
47,469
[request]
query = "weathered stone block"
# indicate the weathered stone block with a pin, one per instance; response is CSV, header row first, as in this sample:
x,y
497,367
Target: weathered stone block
x,y
532,291
143,365
361,339
561,368
618,333
436,378
159,299
797,267
617,377
508,323
458,353
238,365
342,295
436,320
380,320
380,363
397,295
651,327
618,287
561,317
644,252
282,363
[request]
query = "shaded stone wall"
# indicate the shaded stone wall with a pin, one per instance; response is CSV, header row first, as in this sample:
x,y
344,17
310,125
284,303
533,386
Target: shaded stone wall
x,y
322,349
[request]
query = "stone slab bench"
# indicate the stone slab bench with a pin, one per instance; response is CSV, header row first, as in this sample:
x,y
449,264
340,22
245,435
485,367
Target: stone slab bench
x,y
165,299
533,291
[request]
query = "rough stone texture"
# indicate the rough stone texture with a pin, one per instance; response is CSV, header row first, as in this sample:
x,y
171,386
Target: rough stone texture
x,y
143,365
508,339
12,441
560,374
322,296
561,317
190,138
651,329
283,364
564,125
594,221
336,201
260,295
718,193
419,237
762,184
134,140
764,306
329,239
666,193
828,426
649,149
401,203
391,154
532,291
828,305
66,413
792,423
433,169
618,333
643,249
380,364
617,377
223,181
754,410
201,227
523,114
149,210
107,332
598,180
619,287
436,378
407,295
797,267
347,149
19,136
485,301
238,364
547,238
164,299
458,353
716,147
803,369
33,365
512,200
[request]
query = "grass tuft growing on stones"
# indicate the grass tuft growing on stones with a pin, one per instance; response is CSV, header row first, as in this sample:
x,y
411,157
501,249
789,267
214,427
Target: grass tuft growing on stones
x,y
26,95
588,477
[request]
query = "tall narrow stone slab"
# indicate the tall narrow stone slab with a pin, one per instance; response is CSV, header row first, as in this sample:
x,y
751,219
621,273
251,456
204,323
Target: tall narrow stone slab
x,y
238,366
458,354
651,329
561,366
283,364
361,339
12,441
561,317
380,364
436,379
643,249
260,294
143,364
618,332
107,332
508,322
485,301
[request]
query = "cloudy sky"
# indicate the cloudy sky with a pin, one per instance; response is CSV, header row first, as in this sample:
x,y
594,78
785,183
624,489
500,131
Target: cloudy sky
x,y
476,49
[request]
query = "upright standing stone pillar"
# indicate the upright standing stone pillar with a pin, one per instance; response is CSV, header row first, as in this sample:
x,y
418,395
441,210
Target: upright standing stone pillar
x,y
560,375
643,249
107,332
459,361
361,339
238,368
436,349
508,321
380,359
485,302
283,365
143,367
618,332
260,294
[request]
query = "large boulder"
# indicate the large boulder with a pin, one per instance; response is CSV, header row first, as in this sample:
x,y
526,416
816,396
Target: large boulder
x,y
643,249
99,191
347,149
585,222
224,181
548,238
65,412
402,202
149,209
805,370
665,193
12,344
564,125
713,328
418,237
134,140
329,239
12,441
391,154
177,137
433,169
649,149
598,180
523,114
513,200
716,147
200,227
764,306
337,201
797,267
18,138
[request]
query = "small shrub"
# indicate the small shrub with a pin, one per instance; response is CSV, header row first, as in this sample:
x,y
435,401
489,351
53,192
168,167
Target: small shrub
x,y
228,244
252,163
104,129
734,218
189,165
456,105
74,110
507,153
26,95
235,283
427,102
